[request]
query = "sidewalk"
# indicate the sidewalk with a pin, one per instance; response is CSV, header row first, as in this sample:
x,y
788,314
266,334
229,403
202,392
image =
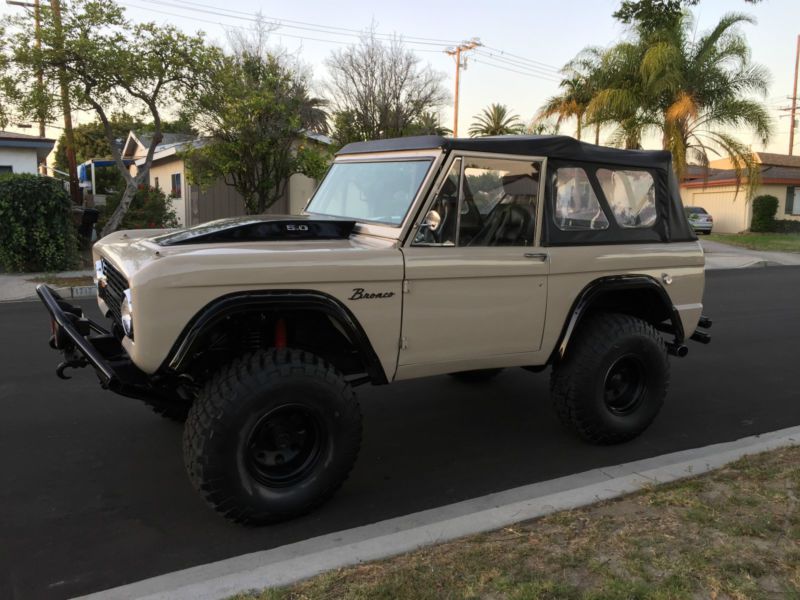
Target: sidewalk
x,y
724,256
22,286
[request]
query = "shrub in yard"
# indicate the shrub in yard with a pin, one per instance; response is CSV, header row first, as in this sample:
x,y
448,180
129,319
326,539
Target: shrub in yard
x,y
785,226
764,209
36,231
150,208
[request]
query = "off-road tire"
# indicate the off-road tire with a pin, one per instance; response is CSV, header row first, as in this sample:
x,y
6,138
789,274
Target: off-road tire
x,y
582,385
223,421
476,376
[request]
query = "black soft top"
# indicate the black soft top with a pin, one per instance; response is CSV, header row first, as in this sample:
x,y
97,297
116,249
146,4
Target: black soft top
x,y
564,151
551,146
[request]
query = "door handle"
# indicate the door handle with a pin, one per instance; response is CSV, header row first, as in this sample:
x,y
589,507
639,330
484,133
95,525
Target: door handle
x,y
540,256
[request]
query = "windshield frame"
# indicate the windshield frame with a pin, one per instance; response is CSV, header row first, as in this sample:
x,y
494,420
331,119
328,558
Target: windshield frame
x,y
378,228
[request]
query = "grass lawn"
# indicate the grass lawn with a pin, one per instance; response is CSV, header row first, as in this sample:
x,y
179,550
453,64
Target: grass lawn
x,y
732,534
780,242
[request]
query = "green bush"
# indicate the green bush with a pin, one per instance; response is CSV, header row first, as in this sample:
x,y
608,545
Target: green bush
x,y
764,209
785,226
150,208
36,231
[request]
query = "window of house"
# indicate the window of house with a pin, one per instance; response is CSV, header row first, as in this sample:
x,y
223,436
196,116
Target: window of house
x,y
176,185
6,169
484,202
792,201
155,183
576,205
631,196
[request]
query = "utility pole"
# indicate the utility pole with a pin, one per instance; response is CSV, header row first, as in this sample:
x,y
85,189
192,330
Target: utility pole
x,y
794,99
74,189
456,52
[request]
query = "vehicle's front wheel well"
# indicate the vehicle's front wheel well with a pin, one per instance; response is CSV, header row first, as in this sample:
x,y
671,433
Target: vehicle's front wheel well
x,y
247,331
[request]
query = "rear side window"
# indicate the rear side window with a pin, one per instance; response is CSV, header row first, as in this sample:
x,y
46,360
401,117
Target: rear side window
x,y
630,195
576,206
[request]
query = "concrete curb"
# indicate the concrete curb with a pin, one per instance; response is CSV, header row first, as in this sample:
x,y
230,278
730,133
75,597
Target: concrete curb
x,y
294,562
77,292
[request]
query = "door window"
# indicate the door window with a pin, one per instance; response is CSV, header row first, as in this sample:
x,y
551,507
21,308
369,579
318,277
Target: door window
x,y
484,202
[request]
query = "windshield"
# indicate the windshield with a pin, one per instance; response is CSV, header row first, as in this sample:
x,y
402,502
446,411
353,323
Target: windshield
x,y
370,191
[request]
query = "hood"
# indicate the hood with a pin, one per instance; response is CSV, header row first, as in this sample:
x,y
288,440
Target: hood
x,y
264,228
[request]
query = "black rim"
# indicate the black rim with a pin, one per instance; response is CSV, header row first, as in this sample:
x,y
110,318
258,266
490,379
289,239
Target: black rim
x,y
285,445
624,387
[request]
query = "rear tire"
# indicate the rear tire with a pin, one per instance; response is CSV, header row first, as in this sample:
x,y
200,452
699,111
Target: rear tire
x,y
613,380
476,376
272,435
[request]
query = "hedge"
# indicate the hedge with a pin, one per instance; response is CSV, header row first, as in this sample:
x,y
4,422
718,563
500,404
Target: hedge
x,y
150,208
36,230
764,209
785,226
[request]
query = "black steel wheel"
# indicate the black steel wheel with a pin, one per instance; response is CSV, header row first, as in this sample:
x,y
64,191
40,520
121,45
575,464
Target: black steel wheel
x,y
613,380
272,436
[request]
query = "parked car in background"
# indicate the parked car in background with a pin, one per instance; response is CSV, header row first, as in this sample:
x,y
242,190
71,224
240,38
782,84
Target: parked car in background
x,y
699,219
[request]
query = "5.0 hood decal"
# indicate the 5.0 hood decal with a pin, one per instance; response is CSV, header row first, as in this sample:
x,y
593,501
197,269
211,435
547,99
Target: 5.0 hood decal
x,y
260,229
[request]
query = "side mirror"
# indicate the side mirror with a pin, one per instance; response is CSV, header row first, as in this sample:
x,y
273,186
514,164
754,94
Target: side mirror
x,y
432,220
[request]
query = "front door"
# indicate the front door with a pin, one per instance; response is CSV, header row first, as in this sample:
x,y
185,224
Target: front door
x,y
476,283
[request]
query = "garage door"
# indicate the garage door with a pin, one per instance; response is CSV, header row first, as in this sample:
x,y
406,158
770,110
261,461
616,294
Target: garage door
x,y
730,215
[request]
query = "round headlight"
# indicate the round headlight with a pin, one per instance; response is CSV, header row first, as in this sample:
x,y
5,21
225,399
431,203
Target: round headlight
x,y
126,314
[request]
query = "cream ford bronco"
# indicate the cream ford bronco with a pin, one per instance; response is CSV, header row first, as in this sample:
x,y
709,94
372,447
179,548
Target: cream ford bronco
x,y
415,257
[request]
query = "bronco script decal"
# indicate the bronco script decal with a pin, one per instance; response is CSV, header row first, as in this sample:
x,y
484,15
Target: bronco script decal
x,y
360,294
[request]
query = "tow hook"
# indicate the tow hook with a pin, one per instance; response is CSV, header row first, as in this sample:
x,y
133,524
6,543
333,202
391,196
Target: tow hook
x,y
75,363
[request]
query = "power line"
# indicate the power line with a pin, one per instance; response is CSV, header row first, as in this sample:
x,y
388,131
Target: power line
x,y
483,61
283,34
519,65
523,58
277,20
284,23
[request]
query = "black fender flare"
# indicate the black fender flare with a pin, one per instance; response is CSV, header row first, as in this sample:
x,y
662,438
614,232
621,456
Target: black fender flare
x,y
599,286
236,302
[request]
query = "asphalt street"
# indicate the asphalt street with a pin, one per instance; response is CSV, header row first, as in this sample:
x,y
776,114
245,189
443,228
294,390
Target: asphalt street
x,y
93,492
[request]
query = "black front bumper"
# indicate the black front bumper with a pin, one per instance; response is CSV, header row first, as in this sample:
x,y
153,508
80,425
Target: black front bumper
x,y
83,342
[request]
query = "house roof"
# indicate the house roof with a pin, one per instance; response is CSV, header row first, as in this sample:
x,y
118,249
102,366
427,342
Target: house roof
x,y
42,146
778,160
725,177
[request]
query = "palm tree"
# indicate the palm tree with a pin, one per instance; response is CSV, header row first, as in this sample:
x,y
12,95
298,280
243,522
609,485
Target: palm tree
x,y
581,79
691,91
495,120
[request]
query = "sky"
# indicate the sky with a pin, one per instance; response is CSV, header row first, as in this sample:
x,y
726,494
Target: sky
x,y
524,43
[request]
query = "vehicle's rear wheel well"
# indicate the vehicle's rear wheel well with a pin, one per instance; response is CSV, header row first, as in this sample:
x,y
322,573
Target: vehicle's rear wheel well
x,y
255,329
643,303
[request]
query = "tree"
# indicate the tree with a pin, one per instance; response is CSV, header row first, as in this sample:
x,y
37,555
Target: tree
x,y
110,64
496,119
256,113
653,15
689,89
429,123
380,90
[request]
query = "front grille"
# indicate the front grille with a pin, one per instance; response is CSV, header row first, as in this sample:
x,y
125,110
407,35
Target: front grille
x,y
114,291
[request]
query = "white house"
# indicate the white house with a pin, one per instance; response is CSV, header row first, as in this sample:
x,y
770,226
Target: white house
x,y
20,153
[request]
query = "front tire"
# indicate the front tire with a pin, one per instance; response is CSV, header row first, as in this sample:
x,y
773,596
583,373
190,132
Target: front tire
x,y
272,436
613,380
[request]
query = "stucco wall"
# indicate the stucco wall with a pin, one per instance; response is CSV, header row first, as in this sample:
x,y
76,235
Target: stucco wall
x,y
732,211
164,171
301,189
21,160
